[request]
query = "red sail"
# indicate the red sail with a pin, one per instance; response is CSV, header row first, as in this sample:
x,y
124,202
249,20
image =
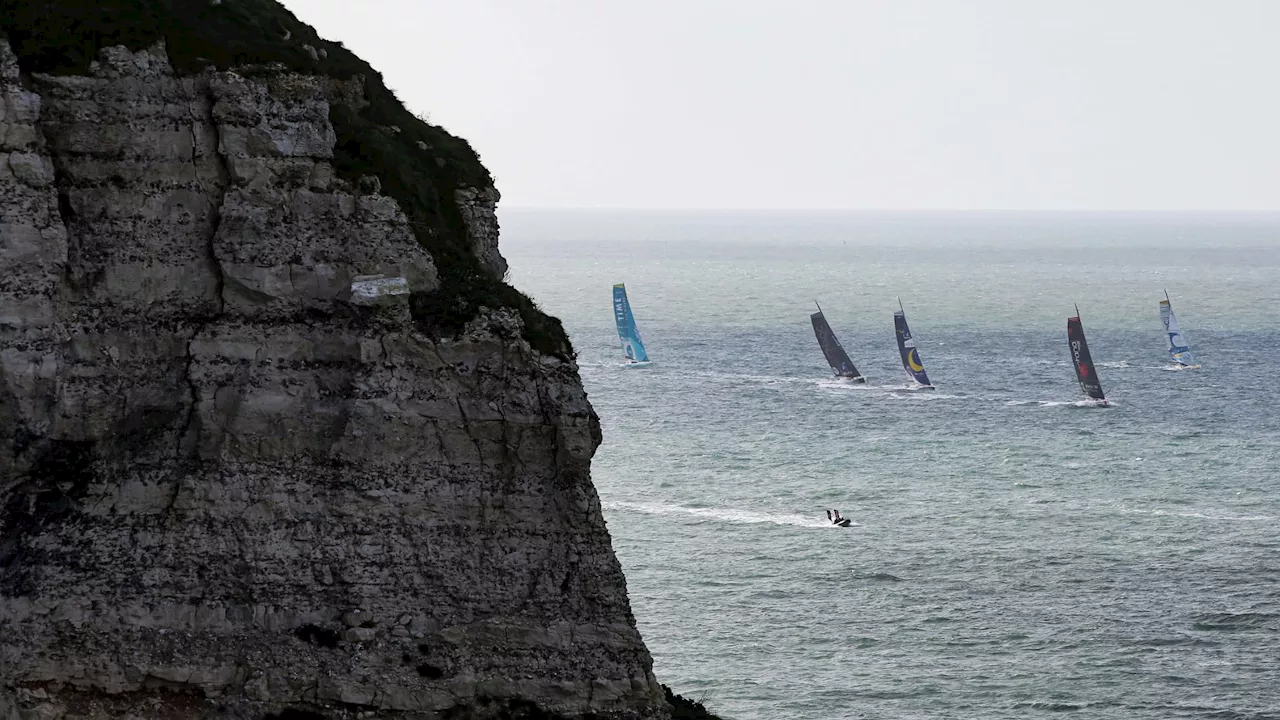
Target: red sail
x,y
1086,373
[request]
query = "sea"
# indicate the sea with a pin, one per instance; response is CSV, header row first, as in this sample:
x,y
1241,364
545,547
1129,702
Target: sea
x,y
1014,552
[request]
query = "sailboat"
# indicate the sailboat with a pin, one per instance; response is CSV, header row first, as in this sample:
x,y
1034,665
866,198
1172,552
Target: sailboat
x,y
1086,373
1179,351
837,358
907,349
632,348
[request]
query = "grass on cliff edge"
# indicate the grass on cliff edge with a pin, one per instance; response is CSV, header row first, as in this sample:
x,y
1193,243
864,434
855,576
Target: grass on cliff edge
x,y
64,36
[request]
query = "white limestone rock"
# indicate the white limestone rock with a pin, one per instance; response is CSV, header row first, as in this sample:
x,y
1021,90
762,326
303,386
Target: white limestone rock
x,y
211,451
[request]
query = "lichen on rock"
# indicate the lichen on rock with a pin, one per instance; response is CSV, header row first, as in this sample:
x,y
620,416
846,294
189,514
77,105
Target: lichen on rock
x,y
230,485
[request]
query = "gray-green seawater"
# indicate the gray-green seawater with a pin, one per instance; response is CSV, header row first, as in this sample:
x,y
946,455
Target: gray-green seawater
x,y
1013,554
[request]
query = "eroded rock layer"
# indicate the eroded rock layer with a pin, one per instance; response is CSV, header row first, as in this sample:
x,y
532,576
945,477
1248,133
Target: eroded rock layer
x,y
235,481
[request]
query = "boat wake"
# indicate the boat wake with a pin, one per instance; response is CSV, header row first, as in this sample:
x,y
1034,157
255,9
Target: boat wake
x,y
725,377
1198,515
841,384
721,515
835,384
1088,403
877,577
909,393
900,392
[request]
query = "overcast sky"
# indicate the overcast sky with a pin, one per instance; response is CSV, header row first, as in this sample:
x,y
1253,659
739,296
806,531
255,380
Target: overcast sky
x,y
892,104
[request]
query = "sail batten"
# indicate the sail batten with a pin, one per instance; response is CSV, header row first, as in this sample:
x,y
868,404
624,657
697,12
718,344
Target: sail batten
x,y
632,347
1086,373
907,350
1179,350
836,357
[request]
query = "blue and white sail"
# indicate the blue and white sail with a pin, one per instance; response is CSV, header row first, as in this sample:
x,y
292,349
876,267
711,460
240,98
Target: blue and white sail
x,y
1179,351
632,347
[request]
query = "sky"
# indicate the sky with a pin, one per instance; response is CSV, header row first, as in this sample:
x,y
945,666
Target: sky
x,y
842,104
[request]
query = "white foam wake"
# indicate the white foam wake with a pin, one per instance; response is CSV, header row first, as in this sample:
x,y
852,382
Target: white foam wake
x,y
850,385
896,389
1061,403
740,517
1197,515
918,394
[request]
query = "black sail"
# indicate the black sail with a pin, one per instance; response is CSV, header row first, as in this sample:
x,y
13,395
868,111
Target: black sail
x,y
835,354
1086,373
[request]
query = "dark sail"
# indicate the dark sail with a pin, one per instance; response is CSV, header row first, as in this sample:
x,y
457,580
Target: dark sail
x,y
1086,373
836,356
907,349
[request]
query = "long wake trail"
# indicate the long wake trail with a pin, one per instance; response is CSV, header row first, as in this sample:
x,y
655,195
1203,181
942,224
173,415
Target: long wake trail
x,y
738,517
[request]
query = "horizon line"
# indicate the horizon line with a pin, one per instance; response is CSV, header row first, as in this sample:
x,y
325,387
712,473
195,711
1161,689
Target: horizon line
x,y
1150,211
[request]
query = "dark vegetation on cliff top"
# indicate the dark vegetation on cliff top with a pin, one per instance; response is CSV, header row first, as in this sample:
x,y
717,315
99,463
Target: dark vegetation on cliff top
x,y
382,138
685,709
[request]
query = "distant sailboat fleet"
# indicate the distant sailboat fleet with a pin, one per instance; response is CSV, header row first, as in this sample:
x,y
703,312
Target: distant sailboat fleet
x,y
1086,372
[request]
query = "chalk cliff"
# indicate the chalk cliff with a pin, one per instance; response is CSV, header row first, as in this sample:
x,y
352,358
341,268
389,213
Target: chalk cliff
x,y
275,440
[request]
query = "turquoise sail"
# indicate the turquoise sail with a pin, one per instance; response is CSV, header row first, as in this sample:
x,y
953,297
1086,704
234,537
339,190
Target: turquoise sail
x,y
632,347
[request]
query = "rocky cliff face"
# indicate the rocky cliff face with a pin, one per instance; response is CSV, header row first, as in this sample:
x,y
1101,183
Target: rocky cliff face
x,y
236,478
